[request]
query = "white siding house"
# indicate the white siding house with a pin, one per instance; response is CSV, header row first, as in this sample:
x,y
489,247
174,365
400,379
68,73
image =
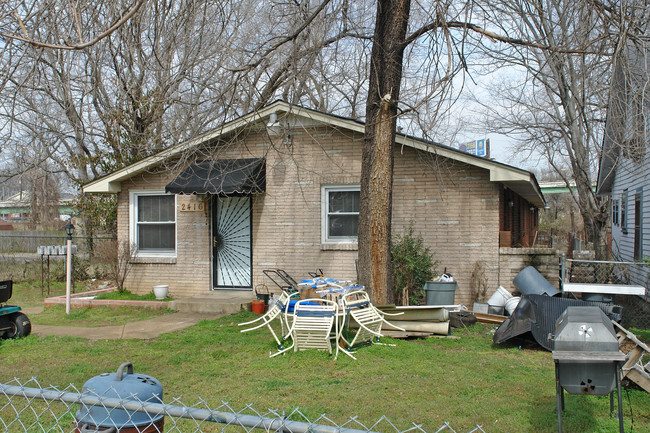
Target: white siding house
x,y
625,163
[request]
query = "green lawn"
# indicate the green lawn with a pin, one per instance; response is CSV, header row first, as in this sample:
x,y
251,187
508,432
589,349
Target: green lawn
x,y
94,317
464,381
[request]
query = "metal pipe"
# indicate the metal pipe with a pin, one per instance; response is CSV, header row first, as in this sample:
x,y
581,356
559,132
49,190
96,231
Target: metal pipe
x,y
250,421
620,398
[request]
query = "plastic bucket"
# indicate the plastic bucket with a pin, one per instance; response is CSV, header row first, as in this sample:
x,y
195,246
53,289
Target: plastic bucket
x,y
440,293
530,282
512,303
257,306
499,298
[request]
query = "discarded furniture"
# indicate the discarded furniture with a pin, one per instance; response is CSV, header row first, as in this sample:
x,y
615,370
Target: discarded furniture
x,y
357,307
312,326
425,319
610,289
636,351
587,357
538,314
598,280
276,311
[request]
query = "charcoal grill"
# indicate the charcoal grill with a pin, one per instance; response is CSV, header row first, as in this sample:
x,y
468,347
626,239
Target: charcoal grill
x,y
122,385
587,357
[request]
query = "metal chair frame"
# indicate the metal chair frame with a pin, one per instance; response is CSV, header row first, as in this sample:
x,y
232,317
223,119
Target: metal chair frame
x,y
277,310
357,306
312,325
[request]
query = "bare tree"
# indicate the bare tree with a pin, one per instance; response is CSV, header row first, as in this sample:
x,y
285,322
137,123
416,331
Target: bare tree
x,y
167,73
554,100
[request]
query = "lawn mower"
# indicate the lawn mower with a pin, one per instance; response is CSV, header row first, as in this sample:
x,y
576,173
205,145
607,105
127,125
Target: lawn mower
x,y
13,323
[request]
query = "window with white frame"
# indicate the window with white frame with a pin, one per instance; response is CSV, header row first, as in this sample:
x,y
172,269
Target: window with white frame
x,y
615,206
153,223
340,213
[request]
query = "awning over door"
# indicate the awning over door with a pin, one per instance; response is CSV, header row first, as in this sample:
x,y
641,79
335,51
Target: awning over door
x,y
221,177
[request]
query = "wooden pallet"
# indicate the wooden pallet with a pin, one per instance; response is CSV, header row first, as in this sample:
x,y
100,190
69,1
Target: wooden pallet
x,y
635,350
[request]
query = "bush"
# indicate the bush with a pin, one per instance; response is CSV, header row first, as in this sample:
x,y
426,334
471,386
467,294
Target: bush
x,y
118,259
413,265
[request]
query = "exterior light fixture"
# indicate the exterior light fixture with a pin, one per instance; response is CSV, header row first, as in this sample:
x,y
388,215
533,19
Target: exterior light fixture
x,y
69,230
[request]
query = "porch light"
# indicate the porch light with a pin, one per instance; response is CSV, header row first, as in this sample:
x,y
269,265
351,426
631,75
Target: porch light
x,y
274,128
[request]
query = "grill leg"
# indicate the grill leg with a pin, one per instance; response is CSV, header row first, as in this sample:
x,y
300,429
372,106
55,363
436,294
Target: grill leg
x,y
620,398
560,398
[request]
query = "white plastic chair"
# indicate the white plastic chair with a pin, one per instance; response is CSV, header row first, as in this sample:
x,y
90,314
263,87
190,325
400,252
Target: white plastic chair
x,y
312,326
357,306
277,310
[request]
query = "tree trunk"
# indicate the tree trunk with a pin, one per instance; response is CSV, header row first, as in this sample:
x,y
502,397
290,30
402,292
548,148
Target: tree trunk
x,y
378,149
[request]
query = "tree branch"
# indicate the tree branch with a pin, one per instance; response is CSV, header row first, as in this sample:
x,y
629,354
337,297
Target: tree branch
x,y
495,37
82,45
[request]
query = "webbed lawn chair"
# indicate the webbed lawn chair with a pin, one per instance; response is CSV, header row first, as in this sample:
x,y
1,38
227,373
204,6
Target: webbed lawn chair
x,y
357,307
312,326
276,310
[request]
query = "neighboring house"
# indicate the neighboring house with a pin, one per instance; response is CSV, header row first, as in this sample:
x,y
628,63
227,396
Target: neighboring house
x,y
17,207
624,173
279,188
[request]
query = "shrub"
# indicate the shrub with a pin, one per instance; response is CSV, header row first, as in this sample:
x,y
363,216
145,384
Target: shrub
x,y
413,265
118,258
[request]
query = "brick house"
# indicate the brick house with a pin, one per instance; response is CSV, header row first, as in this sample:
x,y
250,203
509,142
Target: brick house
x,y
279,188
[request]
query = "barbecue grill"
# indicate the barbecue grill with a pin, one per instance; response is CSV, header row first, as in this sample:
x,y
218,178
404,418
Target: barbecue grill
x,y
587,357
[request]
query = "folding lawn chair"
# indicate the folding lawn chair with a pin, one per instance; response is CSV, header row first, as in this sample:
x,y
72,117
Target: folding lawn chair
x,y
357,306
313,322
277,310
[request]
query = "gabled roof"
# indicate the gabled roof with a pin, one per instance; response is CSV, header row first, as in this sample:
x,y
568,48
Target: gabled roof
x,y
520,181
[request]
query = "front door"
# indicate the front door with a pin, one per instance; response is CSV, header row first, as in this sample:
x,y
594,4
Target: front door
x,y
231,243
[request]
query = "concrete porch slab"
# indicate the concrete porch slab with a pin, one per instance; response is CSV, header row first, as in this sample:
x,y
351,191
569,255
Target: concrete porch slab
x,y
215,302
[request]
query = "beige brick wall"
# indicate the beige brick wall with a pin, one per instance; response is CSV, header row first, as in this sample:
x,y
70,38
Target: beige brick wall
x,y
454,206
513,260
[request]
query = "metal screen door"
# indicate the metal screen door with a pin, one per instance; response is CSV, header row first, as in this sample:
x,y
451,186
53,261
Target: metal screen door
x,y
231,243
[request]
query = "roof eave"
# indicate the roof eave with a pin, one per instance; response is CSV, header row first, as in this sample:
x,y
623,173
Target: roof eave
x,y
521,181
111,183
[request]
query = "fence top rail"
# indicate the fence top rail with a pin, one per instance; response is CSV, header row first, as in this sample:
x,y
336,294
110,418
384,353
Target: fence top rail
x,y
251,421
609,262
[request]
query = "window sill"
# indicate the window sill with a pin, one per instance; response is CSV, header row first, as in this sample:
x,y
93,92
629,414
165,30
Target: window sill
x,y
340,247
155,260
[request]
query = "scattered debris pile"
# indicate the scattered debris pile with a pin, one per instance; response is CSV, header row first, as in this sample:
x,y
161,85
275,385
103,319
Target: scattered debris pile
x,y
417,321
537,314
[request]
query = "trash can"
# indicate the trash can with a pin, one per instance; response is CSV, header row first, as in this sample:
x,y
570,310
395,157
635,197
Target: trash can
x,y
440,293
122,385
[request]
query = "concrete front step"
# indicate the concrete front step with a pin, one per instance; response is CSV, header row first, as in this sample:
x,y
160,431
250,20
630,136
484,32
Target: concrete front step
x,y
221,303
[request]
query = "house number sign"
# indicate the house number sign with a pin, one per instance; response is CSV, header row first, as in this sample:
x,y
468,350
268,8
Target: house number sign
x,y
192,206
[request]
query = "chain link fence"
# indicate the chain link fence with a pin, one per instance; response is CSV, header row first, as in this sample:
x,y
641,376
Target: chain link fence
x,y
28,407
636,309
20,259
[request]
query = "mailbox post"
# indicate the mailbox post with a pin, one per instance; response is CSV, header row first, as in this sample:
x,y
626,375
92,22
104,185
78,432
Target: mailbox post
x,y
69,230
